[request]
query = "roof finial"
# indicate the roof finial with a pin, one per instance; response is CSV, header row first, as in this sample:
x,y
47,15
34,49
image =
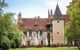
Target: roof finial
x,y
57,1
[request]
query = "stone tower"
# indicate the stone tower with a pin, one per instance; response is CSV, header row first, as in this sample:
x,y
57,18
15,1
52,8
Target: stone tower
x,y
58,27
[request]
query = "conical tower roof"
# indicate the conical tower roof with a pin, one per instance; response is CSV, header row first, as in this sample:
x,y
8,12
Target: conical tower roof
x,y
57,14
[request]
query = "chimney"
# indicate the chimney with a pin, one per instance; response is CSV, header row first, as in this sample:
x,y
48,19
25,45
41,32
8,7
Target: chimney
x,y
19,16
20,19
50,13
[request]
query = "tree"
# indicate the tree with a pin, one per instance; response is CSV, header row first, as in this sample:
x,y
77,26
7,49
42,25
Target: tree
x,y
73,25
2,5
10,35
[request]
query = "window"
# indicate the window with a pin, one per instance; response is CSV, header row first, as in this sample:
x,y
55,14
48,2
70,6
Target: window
x,y
48,27
35,24
40,33
37,33
30,32
25,32
57,21
41,42
57,32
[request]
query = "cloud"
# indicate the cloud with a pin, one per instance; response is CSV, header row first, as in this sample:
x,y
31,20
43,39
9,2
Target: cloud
x,y
62,4
52,3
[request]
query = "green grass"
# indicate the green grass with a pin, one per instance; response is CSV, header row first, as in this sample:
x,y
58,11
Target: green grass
x,y
44,49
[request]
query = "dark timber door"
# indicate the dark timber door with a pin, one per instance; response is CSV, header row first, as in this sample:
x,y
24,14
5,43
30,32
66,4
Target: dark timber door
x,y
28,43
41,43
48,36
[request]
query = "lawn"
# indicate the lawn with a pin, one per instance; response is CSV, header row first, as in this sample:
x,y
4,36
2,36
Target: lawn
x,y
44,49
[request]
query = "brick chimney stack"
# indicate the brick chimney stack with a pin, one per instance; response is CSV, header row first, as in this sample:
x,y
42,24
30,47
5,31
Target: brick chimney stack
x,y
50,13
20,19
19,16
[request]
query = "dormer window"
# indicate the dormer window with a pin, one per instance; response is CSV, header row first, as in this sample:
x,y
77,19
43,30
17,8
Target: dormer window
x,y
35,24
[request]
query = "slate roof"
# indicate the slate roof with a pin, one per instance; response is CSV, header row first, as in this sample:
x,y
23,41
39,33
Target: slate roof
x,y
57,14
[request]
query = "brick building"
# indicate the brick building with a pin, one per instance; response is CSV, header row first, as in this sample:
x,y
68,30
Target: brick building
x,y
43,31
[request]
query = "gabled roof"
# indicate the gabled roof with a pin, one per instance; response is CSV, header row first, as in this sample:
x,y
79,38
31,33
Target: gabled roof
x,y
57,14
38,24
35,24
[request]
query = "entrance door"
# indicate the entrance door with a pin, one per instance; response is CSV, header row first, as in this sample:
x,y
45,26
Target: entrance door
x,y
48,37
41,43
28,43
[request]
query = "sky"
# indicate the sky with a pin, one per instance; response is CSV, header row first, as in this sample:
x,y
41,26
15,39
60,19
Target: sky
x,y
32,8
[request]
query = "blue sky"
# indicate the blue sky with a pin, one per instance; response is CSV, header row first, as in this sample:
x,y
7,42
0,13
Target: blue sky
x,y
32,8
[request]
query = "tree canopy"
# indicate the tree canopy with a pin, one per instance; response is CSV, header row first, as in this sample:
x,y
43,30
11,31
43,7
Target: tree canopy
x,y
73,25
10,35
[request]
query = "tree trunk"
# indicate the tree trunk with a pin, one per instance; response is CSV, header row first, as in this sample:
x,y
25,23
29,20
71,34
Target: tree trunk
x,y
78,45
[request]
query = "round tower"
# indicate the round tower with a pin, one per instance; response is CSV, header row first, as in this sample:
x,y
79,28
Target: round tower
x,y
58,27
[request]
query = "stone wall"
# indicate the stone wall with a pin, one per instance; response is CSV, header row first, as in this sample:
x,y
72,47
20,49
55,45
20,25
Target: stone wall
x,y
58,31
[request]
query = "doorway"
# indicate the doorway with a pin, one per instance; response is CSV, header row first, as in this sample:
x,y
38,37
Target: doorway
x,y
48,37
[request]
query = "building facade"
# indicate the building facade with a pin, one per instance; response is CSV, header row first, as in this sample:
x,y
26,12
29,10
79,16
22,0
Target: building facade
x,y
43,31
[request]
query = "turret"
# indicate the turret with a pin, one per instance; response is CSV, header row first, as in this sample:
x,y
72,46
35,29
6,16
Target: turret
x,y
58,27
